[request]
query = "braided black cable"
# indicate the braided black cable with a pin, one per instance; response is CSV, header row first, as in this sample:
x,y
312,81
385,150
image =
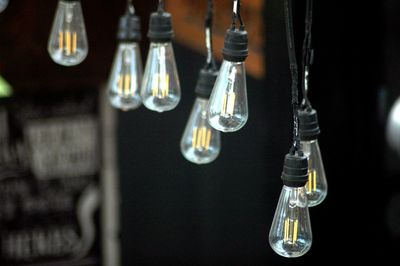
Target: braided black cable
x,y
308,53
294,74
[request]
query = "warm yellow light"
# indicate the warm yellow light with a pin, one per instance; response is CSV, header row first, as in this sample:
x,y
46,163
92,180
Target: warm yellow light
x,y
228,104
127,84
160,86
74,42
68,42
312,180
290,230
201,138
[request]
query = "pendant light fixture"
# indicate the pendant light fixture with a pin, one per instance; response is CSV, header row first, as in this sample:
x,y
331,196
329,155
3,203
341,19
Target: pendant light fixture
x,y
160,88
290,234
317,186
3,5
200,142
228,108
68,45
126,73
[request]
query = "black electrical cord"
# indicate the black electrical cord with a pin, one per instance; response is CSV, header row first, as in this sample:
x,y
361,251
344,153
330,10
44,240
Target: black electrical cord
x,y
208,24
294,74
308,55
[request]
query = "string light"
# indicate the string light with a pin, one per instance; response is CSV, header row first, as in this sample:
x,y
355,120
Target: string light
x,y
290,234
393,127
228,108
126,73
3,5
317,186
68,45
200,142
160,89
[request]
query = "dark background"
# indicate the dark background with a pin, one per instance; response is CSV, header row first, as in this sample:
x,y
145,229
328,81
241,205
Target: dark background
x,y
174,212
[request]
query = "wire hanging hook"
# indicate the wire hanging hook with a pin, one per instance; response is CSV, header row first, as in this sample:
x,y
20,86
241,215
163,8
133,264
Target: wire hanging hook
x,y
160,6
236,14
130,9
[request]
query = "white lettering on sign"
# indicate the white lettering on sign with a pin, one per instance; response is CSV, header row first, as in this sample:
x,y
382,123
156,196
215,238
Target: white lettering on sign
x,y
63,147
38,243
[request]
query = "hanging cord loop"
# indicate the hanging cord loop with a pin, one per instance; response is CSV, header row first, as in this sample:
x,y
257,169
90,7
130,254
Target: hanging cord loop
x,y
208,24
308,55
130,9
161,6
236,15
294,74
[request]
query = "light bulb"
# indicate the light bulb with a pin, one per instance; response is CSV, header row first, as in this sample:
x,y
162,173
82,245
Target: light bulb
x,y
160,89
126,73
200,142
290,234
228,109
68,45
3,5
317,185
393,127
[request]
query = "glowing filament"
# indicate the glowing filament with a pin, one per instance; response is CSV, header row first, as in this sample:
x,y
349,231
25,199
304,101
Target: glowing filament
x,y
67,42
124,84
74,42
291,230
160,86
201,138
228,103
312,180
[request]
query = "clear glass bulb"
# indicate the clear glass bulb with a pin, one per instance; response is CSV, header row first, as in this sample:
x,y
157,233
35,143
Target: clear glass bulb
x,y
3,5
393,127
68,45
290,235
161,90
317,186
228,109
126,76
200,142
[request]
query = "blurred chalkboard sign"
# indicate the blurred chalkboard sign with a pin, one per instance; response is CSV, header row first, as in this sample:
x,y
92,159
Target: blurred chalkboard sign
x,y
50,180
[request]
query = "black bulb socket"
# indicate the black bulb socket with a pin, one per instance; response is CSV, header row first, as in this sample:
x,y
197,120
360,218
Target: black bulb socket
x,y
160,27
129,28
235,45
295,170
308,124
205,82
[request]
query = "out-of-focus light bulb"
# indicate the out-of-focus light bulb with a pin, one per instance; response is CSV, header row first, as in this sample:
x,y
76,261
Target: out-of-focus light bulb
x,y
290,234
160,88
126,73
317,185
228,108
3,5
68,45
393,127
200,142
